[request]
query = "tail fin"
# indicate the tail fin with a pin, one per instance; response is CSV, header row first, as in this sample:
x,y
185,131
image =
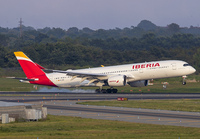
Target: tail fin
x,y
29,67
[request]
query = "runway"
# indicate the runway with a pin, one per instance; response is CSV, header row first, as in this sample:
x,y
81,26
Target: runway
x,y
65,104
48,96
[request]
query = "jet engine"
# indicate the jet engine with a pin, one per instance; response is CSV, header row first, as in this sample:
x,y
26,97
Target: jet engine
x,y
139,83
119,80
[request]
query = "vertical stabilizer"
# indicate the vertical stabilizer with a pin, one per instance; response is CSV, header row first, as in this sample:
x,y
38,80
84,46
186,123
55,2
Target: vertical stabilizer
x,y
29,67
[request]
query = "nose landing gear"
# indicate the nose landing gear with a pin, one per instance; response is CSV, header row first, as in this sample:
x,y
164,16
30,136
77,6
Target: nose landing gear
x,y
184,82
106,90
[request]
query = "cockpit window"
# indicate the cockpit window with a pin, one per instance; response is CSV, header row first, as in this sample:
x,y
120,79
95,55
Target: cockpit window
x,y
186,65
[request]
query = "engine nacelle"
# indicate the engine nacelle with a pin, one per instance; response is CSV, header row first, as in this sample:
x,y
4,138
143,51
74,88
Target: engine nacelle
x,y
139,83
119,80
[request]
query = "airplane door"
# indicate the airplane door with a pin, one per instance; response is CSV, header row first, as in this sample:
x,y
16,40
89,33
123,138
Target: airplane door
x,y
174,66
141,70
51,78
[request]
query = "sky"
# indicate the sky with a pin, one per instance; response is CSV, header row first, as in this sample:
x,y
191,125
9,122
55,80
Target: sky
x,y
98,14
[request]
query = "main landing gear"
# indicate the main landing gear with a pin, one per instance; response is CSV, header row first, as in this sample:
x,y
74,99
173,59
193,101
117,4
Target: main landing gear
x,y
184,82
106,90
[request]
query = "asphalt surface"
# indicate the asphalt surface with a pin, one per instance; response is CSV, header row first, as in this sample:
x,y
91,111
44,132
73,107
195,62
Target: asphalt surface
x,y
141,113
39,96
65,104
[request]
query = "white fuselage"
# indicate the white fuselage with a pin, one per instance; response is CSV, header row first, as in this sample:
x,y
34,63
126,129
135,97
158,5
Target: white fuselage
x,y
134,72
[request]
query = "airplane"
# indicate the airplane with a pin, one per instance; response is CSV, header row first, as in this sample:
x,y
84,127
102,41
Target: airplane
x,y
135,75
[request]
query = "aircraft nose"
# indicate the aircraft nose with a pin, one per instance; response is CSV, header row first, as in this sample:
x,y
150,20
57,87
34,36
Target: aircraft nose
x,y
193,70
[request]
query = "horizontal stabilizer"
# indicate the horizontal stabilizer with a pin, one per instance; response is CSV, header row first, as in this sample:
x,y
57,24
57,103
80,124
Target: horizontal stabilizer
x,y
24,79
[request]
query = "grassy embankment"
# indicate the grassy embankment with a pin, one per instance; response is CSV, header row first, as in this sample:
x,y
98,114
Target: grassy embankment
x,y
74,127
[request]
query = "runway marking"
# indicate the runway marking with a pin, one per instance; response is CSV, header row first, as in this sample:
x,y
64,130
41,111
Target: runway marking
x,y
90,112
140,118
168,119
107,114
155,120
176,122
132,116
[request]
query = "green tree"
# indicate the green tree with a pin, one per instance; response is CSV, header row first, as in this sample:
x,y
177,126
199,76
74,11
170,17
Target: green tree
x,y
173,27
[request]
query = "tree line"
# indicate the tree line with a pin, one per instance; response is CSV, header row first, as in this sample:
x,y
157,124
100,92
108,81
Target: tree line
x,y
74,55
74,48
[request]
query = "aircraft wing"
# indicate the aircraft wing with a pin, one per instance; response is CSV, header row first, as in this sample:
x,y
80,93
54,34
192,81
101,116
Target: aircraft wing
x,y
92,77
81,74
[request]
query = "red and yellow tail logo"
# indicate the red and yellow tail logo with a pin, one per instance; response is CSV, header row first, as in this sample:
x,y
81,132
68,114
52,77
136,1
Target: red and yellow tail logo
x,y
33,70
28,66
21,56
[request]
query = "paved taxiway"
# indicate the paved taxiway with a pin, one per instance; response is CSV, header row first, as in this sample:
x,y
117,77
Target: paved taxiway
x,y
65,104
162,117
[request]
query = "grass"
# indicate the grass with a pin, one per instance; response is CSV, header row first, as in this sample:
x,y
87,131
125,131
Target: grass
x,y
75,127
174,105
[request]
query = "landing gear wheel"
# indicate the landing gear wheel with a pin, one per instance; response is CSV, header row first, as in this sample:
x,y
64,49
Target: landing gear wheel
x,y
103,91
109,90
106,90
114,90
97,91
183,83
